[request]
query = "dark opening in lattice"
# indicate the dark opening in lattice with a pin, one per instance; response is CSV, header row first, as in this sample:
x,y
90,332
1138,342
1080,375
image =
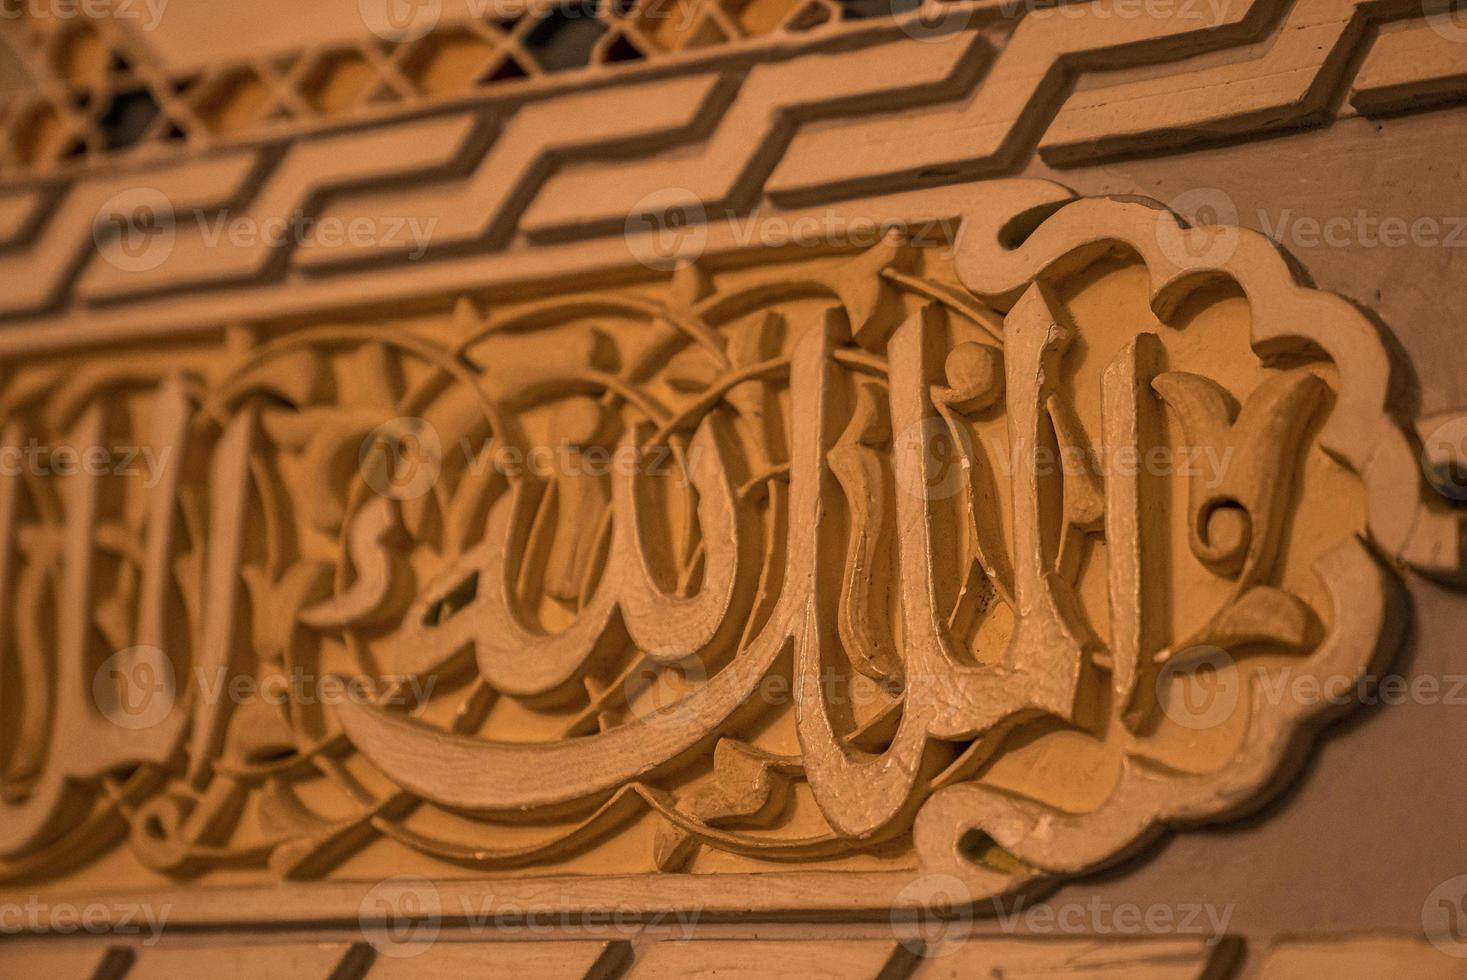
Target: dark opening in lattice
x,y
127,119
564,37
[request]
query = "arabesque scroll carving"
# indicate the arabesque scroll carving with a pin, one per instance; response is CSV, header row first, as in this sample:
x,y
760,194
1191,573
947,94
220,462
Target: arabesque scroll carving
x,y
969,555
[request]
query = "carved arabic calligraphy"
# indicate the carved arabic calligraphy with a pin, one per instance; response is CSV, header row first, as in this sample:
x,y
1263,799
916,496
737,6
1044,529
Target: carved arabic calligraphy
x,y
813,563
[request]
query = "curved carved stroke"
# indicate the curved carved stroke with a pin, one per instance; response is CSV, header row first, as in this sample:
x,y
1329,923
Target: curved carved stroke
x,y
860,794
517,659
480,775
1368,604
864,794
1406,519
666,627
1366,599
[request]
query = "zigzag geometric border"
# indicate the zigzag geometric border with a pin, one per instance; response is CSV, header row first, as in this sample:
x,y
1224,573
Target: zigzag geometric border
x,y
890,112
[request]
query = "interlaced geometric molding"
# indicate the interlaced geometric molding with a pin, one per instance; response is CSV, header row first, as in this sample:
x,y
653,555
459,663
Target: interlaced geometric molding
x,y
882,112
89,93
97,88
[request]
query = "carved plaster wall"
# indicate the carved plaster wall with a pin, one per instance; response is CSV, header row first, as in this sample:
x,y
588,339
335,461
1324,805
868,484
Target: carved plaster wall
x,y
888,495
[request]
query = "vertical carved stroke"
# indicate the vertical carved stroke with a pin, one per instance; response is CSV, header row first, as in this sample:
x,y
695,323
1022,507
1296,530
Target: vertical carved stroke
x,y
860,793
863,620
1130,416
82,745
23,755
229,489
1041,667
512,657
669,628
485,776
